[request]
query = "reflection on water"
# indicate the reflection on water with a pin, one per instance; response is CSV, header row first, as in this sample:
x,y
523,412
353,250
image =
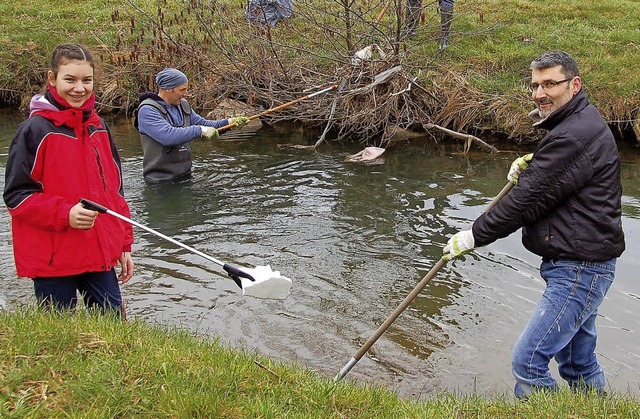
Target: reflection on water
x,y
355,239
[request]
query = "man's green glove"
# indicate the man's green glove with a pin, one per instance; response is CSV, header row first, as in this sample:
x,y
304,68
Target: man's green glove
x,y
459,244
517,167
240,121
209,133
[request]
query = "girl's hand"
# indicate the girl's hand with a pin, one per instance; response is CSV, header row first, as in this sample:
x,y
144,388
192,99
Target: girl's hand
x,y
126,264
82,218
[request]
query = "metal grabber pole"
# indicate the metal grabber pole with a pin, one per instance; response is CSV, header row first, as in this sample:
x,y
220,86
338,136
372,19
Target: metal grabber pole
x,y
260,282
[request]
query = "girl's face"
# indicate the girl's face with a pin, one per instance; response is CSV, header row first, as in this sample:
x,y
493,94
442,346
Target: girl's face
x,y
73,82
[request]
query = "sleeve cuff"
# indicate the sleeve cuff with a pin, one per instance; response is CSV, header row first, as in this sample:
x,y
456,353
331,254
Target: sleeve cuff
x,y
62,216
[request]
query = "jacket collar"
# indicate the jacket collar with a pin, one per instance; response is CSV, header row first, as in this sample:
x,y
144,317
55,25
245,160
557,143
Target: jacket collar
x,y
54,108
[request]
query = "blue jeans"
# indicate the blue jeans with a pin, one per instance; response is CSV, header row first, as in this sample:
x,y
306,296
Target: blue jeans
x,y
563,326
98,289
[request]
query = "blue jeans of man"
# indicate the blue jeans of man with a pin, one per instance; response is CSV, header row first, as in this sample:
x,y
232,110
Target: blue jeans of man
x,y
563,326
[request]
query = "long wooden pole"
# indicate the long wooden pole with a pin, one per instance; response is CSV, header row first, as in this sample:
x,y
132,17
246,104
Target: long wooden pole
x,y
405,303
284,105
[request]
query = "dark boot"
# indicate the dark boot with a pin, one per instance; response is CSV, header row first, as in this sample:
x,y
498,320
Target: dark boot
x,y
446,17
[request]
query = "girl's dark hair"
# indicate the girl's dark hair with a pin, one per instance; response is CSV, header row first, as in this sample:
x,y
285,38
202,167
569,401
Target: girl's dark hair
x,y
67,52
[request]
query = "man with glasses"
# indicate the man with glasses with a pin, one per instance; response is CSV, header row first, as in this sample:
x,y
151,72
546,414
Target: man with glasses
x,y
567,200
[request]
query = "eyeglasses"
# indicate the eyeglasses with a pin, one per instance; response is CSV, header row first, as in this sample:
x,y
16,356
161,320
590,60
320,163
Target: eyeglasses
x,y
533,87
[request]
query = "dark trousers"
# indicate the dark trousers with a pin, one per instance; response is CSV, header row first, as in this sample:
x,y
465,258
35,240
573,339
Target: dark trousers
x,y
98,290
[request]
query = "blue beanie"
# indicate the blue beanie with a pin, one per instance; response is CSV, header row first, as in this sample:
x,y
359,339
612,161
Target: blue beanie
x,y
170,78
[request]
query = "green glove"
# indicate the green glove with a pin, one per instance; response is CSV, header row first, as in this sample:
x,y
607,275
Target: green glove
x,y
240,121
209,133
517,167
459,244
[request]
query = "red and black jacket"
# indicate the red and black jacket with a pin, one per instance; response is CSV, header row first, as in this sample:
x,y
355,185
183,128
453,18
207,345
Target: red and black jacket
x,y
56,158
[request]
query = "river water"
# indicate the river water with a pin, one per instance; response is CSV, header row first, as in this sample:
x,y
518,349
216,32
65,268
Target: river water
x,y
355,239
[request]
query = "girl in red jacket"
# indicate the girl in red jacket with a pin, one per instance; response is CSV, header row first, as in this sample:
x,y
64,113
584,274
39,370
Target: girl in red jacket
x,y
62,153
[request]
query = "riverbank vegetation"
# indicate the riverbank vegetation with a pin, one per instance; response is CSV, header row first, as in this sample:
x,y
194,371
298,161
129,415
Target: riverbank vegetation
x,y
81,365
477,85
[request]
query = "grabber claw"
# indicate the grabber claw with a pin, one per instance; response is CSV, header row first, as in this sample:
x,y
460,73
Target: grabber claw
x,y
236,273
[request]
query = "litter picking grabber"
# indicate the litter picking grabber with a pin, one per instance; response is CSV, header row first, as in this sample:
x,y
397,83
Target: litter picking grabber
x,y
405,303
284,105
259,282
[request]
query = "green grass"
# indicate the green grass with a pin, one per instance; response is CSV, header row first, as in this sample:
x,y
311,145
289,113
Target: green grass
x,y
600,35
81,365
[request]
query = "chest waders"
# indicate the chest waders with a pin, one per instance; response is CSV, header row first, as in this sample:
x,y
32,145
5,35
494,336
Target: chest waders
x,y
161,163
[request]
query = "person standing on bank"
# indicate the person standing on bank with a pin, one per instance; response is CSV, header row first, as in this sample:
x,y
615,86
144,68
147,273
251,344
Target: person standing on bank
x,y
446,18
414,11
567,199
167,125
62,153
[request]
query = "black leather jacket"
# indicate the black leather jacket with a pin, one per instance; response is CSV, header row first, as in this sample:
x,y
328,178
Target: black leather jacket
x,y
568,200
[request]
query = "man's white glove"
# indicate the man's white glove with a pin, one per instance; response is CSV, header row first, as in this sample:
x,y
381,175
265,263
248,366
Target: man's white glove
x,y
209,133
517,167
458,245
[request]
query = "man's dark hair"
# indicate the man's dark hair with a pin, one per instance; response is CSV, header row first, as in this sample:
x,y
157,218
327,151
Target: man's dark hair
x,y
554,58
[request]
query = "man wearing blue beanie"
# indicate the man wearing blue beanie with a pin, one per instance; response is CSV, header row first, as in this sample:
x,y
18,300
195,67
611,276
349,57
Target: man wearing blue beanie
x,y
167,125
